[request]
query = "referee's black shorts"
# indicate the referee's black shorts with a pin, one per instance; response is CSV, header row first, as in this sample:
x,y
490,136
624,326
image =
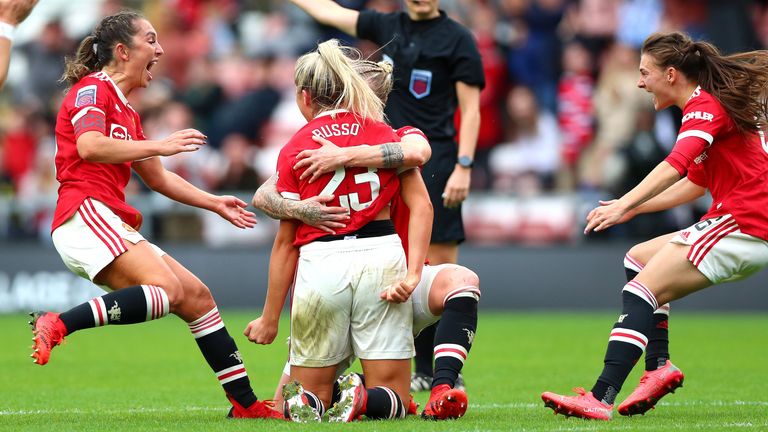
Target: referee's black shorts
x,y
447,226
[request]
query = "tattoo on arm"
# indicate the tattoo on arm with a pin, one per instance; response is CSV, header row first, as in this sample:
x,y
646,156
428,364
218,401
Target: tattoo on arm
x,y
309,214
273,204
277,207
392,155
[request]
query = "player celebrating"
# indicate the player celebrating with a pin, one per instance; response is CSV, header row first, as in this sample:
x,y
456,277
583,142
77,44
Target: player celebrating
x,y
336,308
99,139
722,148
437,70
447,287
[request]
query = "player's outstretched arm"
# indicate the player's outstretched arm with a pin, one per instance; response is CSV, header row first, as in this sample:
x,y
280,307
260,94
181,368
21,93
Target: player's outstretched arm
x,y
412,151
330,13
12,13
683,191
656,182
312,211
94,146
157,178
282,267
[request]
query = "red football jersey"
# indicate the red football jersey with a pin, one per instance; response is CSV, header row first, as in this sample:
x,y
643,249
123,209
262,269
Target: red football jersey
x,y
95,103
399,212
365,191
732,165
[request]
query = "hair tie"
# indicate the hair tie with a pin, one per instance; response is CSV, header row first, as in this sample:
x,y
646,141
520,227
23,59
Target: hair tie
x,y
95,47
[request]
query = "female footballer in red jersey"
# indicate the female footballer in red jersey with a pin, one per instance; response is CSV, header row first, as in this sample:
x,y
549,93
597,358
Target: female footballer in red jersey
x,y
99,140
722,149
336,309
444,289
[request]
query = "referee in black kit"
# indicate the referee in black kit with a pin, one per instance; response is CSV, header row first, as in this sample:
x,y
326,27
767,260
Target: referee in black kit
x,y
437,67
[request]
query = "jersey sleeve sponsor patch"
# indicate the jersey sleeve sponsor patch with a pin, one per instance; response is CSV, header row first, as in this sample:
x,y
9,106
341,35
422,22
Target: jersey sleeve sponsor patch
x,y
86,96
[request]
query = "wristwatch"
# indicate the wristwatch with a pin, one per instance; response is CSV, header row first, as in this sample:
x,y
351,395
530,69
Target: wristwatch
x,y
465,162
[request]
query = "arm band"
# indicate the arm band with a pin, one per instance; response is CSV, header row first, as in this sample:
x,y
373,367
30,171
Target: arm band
x,y
7,30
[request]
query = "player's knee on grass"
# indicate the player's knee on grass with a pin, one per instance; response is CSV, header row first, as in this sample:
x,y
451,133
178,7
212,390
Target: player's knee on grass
x,y
448,281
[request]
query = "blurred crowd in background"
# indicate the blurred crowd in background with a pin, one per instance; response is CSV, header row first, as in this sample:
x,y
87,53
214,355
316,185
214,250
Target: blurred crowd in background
x,y
563,122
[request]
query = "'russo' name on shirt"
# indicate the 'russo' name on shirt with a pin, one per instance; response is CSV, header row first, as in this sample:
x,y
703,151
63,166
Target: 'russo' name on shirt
x,y
337,129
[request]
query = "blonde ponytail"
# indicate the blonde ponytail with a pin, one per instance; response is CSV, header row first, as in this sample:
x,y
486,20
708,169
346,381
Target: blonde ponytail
x,y
329,77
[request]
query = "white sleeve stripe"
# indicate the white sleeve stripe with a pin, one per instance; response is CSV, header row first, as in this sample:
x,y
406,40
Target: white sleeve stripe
x,y
83,111
696,133
291,196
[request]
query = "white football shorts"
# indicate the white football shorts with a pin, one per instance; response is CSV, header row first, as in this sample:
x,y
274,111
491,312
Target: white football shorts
x,y
92,238
721,252
422,316
336,310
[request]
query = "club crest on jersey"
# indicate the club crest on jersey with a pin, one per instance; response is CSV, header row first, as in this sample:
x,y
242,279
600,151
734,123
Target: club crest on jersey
x,y
86,96
119,132
421,83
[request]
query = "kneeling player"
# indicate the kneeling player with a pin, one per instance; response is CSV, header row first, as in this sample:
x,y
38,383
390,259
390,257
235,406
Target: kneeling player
x,y
449,291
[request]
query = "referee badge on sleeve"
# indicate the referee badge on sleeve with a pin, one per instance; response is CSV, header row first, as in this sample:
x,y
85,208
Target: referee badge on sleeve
x,y
421,83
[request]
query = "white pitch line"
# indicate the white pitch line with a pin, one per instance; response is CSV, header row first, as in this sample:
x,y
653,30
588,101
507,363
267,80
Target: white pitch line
x,y
479,407
715,403
634,426
111,411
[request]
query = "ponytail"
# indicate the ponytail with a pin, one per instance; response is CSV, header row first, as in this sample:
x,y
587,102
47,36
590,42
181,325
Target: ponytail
x,y
328,75
377,75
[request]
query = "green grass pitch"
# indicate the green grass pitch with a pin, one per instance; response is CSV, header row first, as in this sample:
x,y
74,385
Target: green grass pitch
x,y
151,377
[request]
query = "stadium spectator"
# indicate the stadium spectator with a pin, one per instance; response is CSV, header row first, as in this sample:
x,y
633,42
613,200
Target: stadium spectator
x,y
437,69
491,132
533,30
575,109
45,59
341,313
12,13
238,172
722,148
526,164
99,140
617,103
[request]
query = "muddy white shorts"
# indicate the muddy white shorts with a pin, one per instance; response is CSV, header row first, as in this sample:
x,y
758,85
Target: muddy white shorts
x,y
721,252
336,309
92,238
422,317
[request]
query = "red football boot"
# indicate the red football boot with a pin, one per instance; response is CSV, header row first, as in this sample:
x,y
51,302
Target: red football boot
x,y
653,386
445,403
259,409
49,331
584,405
351,404
296,407
413,407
